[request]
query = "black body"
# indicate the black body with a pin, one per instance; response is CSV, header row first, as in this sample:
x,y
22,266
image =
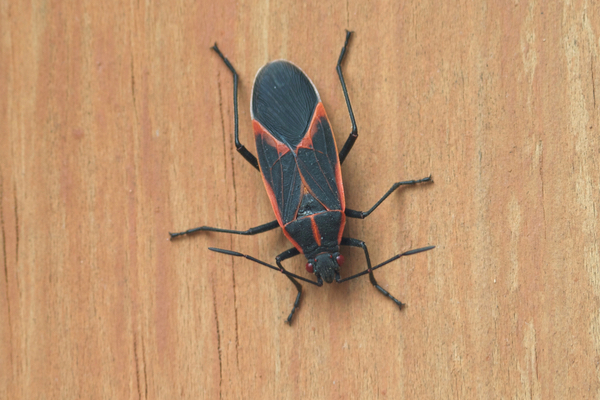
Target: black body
x,y
299,163
301,171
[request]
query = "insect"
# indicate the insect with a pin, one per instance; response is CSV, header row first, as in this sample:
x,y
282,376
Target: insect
x,y
301,171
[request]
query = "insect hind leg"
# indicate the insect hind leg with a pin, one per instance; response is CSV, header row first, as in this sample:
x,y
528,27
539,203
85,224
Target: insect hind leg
x,y
354,134
251,158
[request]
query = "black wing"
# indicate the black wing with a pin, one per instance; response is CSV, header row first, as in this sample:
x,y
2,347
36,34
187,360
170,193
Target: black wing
x,y
294,141
280,175
319,165
284,101
312,169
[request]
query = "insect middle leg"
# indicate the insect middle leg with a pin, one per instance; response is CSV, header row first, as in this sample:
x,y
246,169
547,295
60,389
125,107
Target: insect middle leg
x,y
252,231
251,158
362,245
363,214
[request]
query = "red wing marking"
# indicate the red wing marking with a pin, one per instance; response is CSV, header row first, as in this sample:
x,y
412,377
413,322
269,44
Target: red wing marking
x,y
319,165
307,143
281,149
259,130
313,127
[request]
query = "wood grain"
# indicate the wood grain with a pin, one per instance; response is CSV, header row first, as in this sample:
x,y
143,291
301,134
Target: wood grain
x,y
116,127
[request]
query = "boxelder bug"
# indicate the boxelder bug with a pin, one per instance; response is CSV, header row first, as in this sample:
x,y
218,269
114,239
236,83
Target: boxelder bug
x,y
301,170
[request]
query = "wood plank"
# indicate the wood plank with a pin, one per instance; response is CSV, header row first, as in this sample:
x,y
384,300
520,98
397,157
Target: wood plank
x,y
116,126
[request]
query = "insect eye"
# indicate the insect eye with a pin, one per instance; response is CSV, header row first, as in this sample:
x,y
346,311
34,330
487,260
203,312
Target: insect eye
x,y
310,267
340,259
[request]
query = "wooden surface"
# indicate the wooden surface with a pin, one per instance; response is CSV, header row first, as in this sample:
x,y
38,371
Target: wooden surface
x,y
116,126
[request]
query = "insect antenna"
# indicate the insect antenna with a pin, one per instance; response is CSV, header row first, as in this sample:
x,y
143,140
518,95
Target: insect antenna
x,y
256,260
397,256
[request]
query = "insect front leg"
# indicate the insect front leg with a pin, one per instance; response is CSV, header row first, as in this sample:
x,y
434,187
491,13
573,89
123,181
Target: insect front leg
x,y
362,245
284,256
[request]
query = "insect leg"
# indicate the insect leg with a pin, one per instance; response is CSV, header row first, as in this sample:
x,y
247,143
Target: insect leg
x,y
240,147
256,260
361,244
252,231
386,262
363,214
354,134
284,256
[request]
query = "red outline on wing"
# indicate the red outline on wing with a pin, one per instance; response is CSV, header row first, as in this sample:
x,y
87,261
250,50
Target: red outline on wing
x,y
308,144
282,149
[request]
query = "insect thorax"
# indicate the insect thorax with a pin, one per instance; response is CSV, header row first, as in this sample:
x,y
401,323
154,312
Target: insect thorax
x,y
316,229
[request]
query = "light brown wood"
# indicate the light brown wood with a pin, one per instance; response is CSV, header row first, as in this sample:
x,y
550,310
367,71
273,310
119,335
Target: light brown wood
x,y
116,127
